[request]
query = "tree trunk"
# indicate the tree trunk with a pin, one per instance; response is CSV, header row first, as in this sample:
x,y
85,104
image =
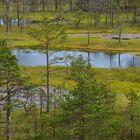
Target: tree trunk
x,y
43,5
106,18
56,5
135,15
23,7
120,33
48,76
18,16
8,117
41,112
0,120
112,19
7,14
70,4
54,115
132,120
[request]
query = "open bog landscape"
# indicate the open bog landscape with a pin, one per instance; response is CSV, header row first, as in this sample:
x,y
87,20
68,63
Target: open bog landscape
x,y
69,70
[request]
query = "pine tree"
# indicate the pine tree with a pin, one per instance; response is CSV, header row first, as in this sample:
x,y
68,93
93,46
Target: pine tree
x,y
132,113
88,109
51,34
10,81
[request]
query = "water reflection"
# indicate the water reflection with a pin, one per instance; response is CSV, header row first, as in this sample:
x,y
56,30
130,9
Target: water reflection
x,y
15,21
96,59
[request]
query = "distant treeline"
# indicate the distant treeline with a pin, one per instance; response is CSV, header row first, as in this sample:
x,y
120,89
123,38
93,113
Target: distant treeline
x,y
108,11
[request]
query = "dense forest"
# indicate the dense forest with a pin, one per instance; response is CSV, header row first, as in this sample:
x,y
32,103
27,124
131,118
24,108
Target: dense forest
x,y
69,69
100,13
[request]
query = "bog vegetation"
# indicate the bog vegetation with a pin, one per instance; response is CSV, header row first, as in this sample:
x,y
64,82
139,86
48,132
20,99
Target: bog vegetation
x,y
76,101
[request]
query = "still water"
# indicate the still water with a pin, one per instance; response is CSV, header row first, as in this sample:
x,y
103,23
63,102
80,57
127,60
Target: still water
x,y
15,21
97,59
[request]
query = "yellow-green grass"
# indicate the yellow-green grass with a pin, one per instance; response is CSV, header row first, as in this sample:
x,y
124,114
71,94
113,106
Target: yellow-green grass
x,y
119,80
72,17
137,54
81,43
97,43
127,29
18,38
39,15
21,39
21,124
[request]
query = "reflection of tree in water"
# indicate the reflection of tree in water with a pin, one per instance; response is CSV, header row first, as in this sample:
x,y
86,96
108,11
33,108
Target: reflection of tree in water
x,y
131,62
97,59
110,60
88,58
119,57
115,60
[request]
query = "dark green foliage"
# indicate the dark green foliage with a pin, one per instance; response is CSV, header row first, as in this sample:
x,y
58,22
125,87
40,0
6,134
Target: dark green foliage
x,y
80,68
133,116
9,69
88,110
10,80
41,136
